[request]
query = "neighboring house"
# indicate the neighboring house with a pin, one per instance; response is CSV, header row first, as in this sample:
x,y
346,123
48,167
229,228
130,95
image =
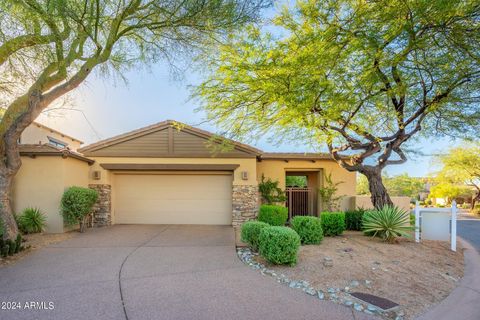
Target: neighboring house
x,y
37,133
167,174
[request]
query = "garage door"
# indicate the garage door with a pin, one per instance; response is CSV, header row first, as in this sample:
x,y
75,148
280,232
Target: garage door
x,y
173,198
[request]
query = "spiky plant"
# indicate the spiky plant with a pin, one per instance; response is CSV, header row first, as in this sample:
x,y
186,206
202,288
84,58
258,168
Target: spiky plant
x,y
32,220
388,223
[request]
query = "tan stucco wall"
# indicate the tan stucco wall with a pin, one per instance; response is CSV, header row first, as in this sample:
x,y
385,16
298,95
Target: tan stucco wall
x,y
245,164
276,170
41,182
366,203
35,134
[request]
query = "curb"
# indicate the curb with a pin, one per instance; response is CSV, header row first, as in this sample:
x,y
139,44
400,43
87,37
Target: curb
x,y
464,301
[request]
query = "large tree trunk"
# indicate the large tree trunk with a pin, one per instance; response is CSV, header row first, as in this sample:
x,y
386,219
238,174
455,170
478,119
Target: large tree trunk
x,y
475,200
379,194
6,214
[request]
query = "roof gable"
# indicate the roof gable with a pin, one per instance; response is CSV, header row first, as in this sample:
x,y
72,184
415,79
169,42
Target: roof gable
x,y
169,139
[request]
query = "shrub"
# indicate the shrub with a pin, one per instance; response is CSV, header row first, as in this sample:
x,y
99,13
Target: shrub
x,y
270,191
279,245
333,223
389,223
32,220
18,243
273,215
251,232
353,219
76,204
308,228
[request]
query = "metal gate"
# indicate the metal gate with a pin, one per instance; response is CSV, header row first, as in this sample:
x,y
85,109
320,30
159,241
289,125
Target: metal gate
x,y
300,201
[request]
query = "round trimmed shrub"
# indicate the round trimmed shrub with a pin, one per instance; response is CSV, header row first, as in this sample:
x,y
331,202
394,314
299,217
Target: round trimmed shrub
x,y
32,220
308,228
333,223
279,245
273,215
251,233
76,204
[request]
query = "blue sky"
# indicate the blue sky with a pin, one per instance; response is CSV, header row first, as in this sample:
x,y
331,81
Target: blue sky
x,y
103,107
112,107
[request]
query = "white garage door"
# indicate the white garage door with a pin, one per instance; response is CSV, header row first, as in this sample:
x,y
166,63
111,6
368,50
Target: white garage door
x,y
173,198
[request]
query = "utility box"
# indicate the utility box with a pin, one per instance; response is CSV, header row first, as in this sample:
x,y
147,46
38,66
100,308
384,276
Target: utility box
x,y
435,226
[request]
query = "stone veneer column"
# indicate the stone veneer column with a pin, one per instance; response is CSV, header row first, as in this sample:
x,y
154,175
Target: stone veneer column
x,y
244,203
102,213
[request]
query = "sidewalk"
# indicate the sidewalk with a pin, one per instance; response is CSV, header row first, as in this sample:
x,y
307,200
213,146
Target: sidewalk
x,y
464,301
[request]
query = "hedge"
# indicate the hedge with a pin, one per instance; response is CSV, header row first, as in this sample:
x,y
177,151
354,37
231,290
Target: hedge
x,y
273,215
308,228
353,219
333,223
279,245
251,232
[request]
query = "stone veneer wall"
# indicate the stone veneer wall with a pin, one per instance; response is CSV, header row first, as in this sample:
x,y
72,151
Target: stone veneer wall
x,y
102,210
244,203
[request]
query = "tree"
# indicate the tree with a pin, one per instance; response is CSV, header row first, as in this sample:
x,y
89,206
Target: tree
x,y
328,194
361,78
401,185
461,165
448,191
49,47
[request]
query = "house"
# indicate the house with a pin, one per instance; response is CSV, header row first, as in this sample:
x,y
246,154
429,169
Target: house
x,y
169,173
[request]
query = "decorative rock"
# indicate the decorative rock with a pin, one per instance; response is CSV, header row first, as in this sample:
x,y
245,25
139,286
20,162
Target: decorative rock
x,y
311,291
293,284
358,306
327,262
368,282
346,289
331,290
354,283
348,303
372,308
320,295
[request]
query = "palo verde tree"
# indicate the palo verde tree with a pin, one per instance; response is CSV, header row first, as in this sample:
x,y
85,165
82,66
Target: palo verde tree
x,y
361,78
461,166
49,47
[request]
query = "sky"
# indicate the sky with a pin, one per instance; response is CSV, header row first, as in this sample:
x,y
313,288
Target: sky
x,y
106,106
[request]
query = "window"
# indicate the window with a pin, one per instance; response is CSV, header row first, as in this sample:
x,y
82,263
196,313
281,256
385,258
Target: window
x,y
56,143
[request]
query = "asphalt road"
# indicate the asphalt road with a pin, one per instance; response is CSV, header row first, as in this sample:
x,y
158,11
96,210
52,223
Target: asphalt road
x,y
470,231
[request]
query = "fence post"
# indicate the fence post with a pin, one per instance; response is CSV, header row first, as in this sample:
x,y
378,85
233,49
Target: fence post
x,y
453,232
417,222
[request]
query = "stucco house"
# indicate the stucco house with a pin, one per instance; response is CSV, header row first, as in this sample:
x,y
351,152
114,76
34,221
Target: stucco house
x,y
167,173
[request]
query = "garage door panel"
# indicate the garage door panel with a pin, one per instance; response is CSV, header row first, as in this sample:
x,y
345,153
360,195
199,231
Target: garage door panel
x,y
173,199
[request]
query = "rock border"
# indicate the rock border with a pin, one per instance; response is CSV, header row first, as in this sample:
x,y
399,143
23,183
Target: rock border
x,y
337,295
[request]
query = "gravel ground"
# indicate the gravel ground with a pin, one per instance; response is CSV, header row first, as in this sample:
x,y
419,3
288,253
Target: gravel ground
x,y
34,242
413,275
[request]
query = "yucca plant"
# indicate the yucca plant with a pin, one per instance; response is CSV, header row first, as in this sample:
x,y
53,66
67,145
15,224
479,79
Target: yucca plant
x,y
32,220
388,223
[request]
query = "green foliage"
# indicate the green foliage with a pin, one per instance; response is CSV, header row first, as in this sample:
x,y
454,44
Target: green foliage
x,y
296,181
77,203
270,192
476,209
361,77
31,220
389,223
449,191
251,233
273,215
18,243
353,219
412,219
328,193
400,185
279,245
308,228
333,223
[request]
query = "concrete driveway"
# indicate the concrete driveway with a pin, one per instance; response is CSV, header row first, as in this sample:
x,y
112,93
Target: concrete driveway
x,y
152,272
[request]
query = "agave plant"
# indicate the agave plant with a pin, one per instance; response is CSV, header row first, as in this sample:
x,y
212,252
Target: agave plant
x,y
388,223
32,220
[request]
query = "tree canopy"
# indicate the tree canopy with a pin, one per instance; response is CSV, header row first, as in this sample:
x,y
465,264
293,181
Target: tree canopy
x,y
49,47
461,166
361,77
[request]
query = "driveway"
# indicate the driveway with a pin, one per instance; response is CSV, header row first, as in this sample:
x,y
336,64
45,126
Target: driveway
x,y
153,272
470,231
